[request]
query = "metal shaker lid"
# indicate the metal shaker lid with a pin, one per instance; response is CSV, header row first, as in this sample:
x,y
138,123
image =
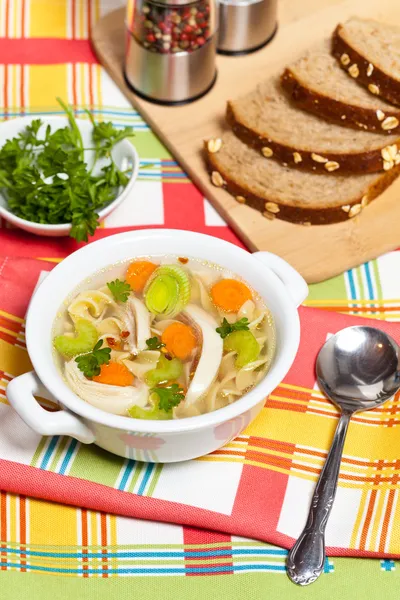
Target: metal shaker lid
x,y
245,25
177,2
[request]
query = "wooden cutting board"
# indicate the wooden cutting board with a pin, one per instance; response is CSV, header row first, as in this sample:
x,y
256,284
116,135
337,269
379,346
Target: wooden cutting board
x,y
318,252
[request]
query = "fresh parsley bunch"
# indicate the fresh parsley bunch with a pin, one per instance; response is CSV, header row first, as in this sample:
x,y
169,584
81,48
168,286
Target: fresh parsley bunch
x,y
47,180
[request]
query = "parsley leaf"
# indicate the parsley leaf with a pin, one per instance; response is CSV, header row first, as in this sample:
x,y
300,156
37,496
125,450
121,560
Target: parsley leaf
x,y
119,289
227,328
154,343
105,136
90,363
169,396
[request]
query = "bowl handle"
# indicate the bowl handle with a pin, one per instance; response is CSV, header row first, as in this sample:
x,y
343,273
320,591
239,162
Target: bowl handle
x,y
21,393
296,285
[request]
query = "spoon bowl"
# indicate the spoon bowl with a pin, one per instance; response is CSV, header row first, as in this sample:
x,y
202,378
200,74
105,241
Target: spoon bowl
x,y
358,369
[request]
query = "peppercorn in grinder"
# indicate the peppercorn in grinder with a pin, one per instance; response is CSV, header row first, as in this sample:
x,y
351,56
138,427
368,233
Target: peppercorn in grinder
x,y
171,48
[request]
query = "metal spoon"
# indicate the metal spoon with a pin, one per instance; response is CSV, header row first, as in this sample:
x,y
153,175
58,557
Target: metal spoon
x,y
358,369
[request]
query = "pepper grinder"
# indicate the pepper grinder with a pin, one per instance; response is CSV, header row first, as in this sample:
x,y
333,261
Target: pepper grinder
x,y
246,25
171,49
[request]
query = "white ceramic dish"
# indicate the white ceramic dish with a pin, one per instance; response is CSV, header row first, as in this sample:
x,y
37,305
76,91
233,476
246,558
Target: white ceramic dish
x,y
123,153
281,287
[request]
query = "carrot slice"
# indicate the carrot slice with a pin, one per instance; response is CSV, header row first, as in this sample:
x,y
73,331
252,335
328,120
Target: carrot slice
x,y
179,340
138,273
230,294
114,373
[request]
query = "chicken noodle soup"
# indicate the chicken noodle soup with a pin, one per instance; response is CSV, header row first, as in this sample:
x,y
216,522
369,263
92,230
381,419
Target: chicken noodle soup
x,y
163,338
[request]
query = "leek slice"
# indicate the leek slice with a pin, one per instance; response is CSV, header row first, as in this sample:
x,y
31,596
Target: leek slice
x,y
168,291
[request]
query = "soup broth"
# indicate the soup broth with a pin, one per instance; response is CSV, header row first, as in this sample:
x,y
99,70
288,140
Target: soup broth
x,y
163,338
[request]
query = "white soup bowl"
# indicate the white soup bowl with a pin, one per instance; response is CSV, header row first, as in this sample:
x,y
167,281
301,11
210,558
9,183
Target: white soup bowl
x,y
280,286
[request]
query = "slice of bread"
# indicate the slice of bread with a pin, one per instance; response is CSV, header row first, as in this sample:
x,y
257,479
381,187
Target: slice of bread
x,y
288,194
318,85
370,52
268,121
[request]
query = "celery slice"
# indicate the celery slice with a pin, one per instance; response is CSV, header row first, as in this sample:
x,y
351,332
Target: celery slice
x,y
245,345
84,340
166,370
136,412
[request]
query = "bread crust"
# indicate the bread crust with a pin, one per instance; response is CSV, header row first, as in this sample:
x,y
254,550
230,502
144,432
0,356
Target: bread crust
x,y
355,163
389,88
335,111
304,216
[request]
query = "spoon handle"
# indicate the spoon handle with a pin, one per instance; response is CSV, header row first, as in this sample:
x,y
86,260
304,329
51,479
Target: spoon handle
x,y
306,559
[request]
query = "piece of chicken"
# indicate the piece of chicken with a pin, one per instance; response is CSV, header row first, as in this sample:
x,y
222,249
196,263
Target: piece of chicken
x,y
114,399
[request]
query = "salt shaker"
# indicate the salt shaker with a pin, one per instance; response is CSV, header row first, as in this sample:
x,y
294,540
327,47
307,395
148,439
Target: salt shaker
x,y
171,49
246,25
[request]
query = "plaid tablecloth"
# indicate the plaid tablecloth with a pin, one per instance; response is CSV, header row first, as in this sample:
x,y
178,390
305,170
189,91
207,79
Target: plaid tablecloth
x,y
49,550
